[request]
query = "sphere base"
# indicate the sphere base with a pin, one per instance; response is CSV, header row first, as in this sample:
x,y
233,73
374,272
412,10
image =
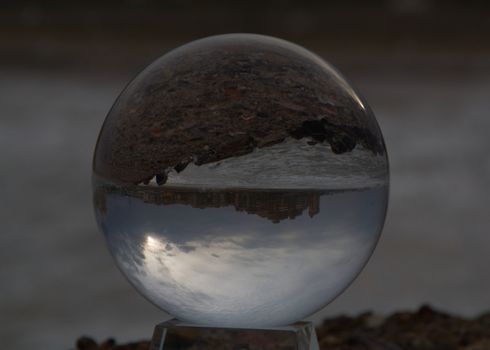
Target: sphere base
x,y
173,335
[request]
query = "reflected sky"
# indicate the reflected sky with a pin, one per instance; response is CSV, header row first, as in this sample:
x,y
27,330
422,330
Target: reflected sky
x,y
224,267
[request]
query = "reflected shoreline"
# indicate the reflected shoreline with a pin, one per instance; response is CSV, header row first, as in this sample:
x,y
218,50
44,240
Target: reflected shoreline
x,y
274,205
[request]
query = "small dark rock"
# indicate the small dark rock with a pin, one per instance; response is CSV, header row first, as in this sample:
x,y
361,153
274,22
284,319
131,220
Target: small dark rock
x,y
86,343
108,344
160,179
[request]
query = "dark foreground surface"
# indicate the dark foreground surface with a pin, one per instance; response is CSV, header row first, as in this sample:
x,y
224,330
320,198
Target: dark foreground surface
x,y
425,329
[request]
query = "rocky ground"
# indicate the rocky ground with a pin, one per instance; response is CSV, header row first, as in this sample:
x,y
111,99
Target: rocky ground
x,y
224,98
425,329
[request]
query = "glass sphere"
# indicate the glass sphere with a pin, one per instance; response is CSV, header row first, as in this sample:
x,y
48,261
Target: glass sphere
x,y
240,181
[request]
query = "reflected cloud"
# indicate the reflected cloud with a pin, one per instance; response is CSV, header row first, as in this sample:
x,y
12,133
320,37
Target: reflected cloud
x,y
220,266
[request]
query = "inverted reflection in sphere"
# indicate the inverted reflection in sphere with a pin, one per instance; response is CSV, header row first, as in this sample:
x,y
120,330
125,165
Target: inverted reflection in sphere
x,y
240,181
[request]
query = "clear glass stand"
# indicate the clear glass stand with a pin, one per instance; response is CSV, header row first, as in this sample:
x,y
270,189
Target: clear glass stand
x,y
174,335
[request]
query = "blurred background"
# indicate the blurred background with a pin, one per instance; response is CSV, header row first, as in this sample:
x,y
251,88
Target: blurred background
x,y
424,67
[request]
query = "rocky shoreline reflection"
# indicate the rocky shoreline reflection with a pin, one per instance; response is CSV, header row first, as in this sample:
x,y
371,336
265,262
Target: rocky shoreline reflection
x,y
274,205
224,97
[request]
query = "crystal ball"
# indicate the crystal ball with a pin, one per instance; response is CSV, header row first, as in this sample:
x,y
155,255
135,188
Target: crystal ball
x,y
241,181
